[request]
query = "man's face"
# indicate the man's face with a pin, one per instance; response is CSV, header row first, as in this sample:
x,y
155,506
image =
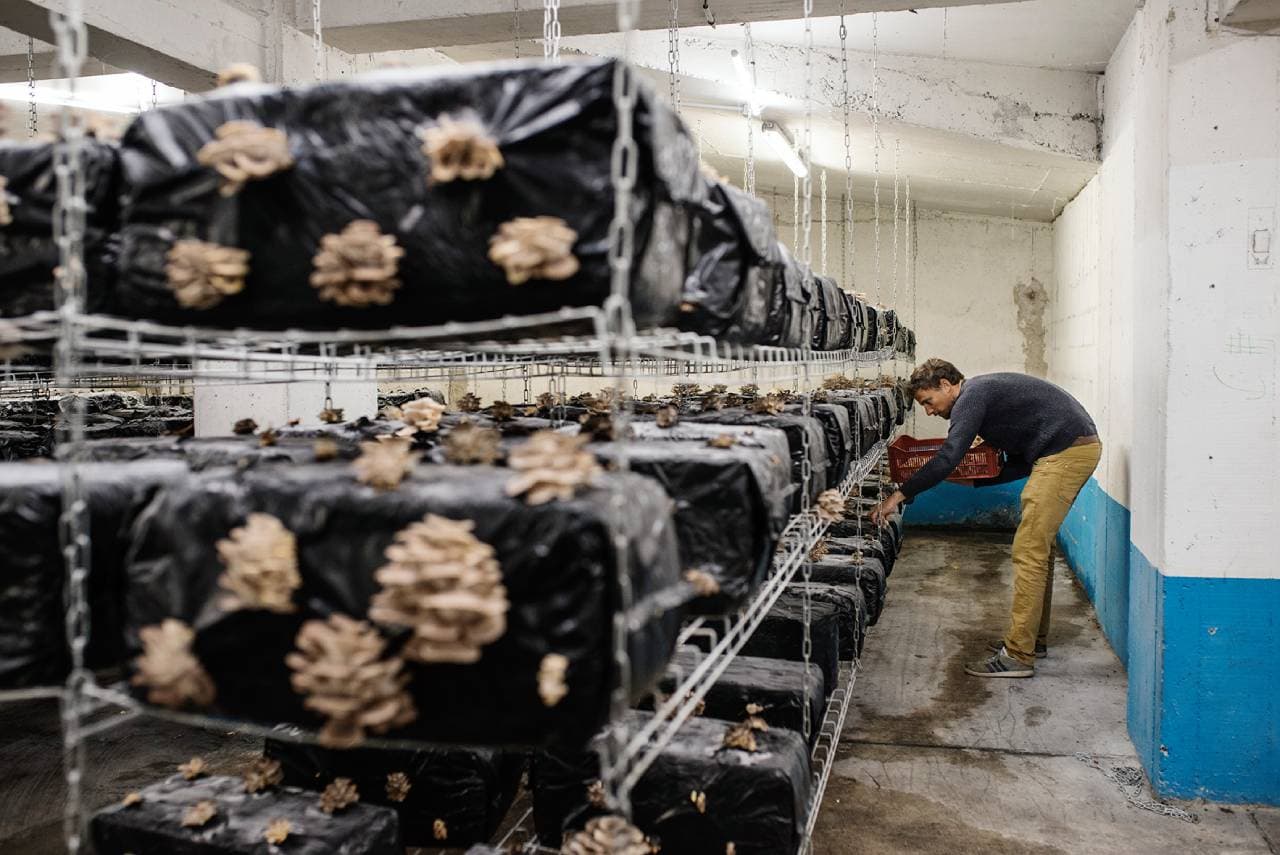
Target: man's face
x,y
938,402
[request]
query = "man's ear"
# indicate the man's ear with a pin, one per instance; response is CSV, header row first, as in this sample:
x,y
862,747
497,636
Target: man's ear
x,y
944,385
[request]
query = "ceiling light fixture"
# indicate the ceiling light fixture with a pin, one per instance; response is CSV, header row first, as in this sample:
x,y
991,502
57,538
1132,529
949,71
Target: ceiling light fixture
x,y
746,81
785,147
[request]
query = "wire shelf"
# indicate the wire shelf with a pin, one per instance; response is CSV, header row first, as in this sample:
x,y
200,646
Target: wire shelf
x,y
118,352
641,748
823,756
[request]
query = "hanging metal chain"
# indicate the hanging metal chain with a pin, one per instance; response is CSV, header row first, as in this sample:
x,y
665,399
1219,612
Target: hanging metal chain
x,y
155,99
848,152
822,224
795,214
807,254
897,153
750,50
807,393
618,333
875,161
68,232
551,30
31,88
515,28
708,14
673,53
317,40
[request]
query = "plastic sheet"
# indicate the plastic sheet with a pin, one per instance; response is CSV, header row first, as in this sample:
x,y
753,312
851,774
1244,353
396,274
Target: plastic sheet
x,y
28,252
874,542
864,419
357,154
732,273
832,325
790,323
208,453
154,825
772,441
722,500
33,636
868,575
781,633
697,797
839,437
850,602
469,790
557,562
795,427
775,684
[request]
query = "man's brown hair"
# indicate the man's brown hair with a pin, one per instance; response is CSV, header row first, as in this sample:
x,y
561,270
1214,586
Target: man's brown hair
x,y
931,374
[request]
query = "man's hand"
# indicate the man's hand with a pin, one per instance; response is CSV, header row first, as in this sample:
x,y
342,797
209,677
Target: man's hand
x,y
880,516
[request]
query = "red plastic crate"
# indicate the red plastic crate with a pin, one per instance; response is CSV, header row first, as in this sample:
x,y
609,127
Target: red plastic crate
x,y
907,455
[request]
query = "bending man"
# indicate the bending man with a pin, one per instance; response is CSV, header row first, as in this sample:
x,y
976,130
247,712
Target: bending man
x,y
1045,433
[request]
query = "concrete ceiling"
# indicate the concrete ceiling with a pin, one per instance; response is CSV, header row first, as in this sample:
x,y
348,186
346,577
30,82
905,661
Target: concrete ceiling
x,y
1077,35
947,171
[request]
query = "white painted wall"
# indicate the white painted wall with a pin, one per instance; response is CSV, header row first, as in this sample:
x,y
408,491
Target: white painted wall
x,y
958,295
1091,319
1108,337
1158,322
1224,315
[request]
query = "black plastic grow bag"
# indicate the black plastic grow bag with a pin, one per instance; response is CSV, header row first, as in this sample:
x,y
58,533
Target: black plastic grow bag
x,y
775,684
154,825
28,253
557,562
468,790
722,510
757,801
358,155
33,635
795,427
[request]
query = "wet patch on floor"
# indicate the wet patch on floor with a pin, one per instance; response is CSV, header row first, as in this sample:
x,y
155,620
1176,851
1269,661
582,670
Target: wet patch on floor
x,y
861,817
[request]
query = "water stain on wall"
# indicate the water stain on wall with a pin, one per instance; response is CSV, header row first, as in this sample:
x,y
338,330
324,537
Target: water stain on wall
x,y
1032,299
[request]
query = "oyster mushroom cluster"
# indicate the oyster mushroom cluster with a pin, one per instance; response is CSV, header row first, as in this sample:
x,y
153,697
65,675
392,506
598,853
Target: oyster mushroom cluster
x,y
261,560
551,466
357,267
445,584
167,668
339,668
245,151
201,274
534,248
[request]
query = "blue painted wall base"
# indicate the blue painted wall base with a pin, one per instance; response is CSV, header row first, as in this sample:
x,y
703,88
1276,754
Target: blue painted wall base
x,y
950,504
1202,656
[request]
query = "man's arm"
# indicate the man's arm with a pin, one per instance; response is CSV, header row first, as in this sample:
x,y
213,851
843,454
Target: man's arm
x,y
960,436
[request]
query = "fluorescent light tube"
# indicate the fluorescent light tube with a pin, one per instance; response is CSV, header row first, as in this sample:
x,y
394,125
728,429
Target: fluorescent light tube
x,y
781,142
746,81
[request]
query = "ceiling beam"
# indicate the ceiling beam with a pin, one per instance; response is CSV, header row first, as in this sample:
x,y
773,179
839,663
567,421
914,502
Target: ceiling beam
x,y
362,26
178,43
13,60
1260,16
1054,112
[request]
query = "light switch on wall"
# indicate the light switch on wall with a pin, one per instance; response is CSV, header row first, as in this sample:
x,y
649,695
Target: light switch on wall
x,y
1261,238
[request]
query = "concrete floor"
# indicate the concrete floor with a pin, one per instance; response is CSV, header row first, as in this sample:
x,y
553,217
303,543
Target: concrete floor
x,y
934,761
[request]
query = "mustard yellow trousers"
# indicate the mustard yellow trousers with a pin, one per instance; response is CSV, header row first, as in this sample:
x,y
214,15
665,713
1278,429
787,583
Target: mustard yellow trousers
x,y
1055,482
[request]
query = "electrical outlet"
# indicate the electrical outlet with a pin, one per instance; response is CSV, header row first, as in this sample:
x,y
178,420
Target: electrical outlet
x,y
1261,237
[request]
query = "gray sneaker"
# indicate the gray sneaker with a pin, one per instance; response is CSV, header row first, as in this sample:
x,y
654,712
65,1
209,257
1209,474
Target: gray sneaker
x,y
999,665
996,646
